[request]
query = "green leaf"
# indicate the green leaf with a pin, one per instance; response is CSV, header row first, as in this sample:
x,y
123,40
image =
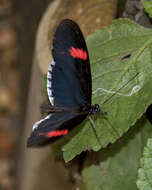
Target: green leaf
x,y
148,7
119,162
121,65
144,181
92,177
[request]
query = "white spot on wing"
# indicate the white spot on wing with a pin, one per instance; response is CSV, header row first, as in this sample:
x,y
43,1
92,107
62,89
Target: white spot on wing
x,y
53,62
49,83
50,68
49,93
36,125
51,100
49,75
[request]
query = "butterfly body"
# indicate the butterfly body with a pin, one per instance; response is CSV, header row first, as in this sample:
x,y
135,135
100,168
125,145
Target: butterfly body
x,y
69,86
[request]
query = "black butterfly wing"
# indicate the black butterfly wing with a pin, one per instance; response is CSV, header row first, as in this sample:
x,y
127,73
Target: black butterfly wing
x,y
69,85
53,127
69,77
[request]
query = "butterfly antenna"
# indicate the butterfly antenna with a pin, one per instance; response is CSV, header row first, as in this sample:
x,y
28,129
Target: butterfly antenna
x,y
120,88
111,97
94,130
113,128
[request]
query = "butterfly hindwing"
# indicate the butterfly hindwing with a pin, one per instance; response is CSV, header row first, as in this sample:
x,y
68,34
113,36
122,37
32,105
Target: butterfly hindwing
x,y
53,127
69,75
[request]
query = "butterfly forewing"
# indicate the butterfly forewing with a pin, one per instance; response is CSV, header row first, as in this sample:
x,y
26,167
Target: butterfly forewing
x,y
71,76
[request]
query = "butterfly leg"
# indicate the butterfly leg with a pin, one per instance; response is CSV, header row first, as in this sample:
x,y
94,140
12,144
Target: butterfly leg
x,y
103,114
94,130
45,108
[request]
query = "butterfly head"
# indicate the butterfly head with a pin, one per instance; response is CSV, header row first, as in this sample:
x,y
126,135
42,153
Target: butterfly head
x,y
94,109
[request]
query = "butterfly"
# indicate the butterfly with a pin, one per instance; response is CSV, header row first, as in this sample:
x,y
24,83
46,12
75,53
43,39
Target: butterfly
x,y
69,86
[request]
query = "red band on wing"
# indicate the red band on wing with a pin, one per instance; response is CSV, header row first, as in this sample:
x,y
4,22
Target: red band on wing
x,y
78,53
57,133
